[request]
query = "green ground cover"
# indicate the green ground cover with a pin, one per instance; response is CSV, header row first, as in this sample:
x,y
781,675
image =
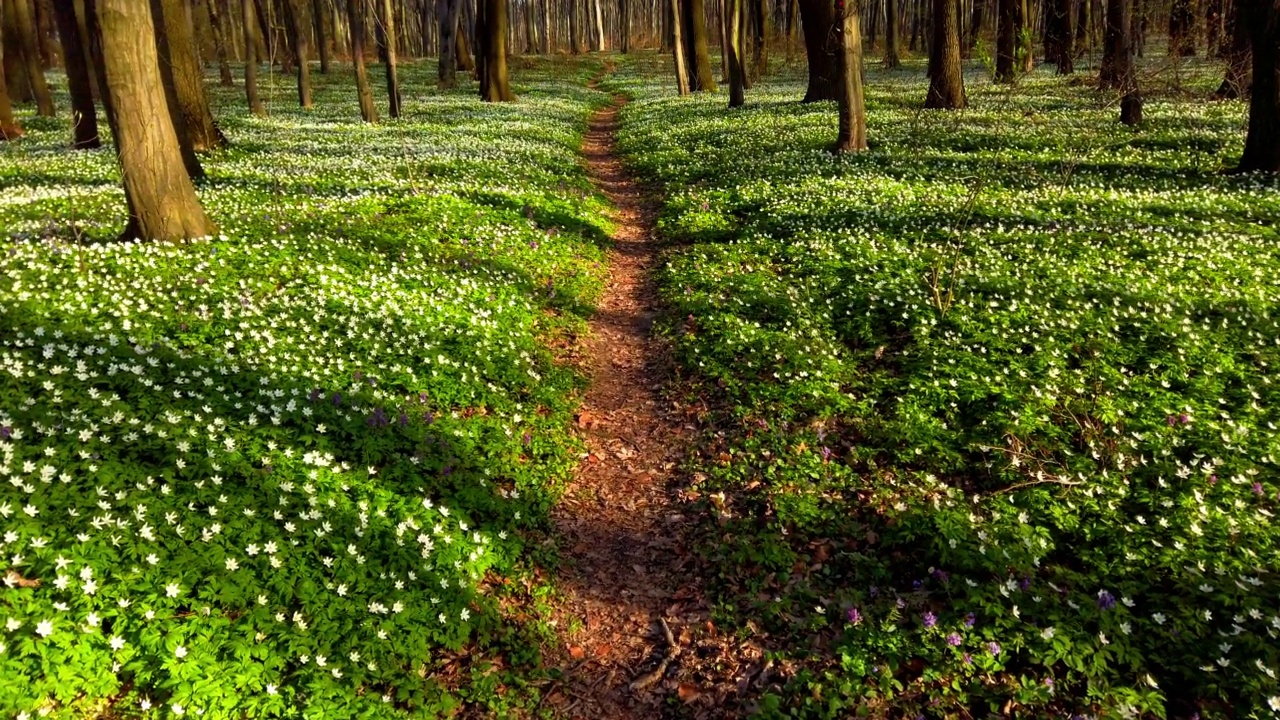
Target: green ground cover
x,y
303,468
997,399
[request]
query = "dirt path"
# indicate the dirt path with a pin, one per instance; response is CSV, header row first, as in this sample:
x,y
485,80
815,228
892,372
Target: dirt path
x,y
618,522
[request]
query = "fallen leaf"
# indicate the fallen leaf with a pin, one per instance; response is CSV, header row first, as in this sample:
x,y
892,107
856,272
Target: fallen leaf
x,y
13,579
688,693
576,652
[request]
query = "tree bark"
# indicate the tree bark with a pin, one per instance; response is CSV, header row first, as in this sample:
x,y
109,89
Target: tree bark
x,y
733,53
575,29
300,41
220,44
946,76
24,24
1238,78
624,19
466,62
762,24
1120,18
1182,24
817,22
1058,36
387,49
678,49
447,67
9,127
162,201
183,79
251,59
975,24
84,114
492,38
600,41
853,112
891,34
699,61
355,20
319,11
1262,143
1007,40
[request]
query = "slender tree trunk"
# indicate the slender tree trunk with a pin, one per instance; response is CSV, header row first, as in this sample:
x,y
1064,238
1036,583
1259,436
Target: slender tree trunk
x,y
1182,24
300,41
15,69
678,49
9,127
762,23
1212,26
575,32
220,44
853,111
30,48
84,115
183,78
448,65
251,59
1007,40
1084,18
695,30
355,20
1239,58
1119,18
162,201
1057,36
946,77
1262,144
386,34
817,21
600,41
319,11
466,62
976,18
546,26
492,38
891,34
733,53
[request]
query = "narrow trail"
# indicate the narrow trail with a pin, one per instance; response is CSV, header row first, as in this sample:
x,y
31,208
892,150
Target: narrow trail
x,y
619,523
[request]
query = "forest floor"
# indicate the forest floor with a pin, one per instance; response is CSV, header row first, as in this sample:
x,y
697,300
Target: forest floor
x,y
620,574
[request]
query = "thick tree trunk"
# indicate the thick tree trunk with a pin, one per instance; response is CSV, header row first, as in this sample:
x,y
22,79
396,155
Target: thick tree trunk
x,y
84,115
319,11
386,34
817,22
15,70
762,26
25,27
220,44
600,42
162,201
853,112
1058,36
891,34
251,59
466,63
1007,40
624,21
575,29
1120,17
1113,45
492,38
355,20
1262,144
447,68
1236,82
946,76
678,49
300,41
9,127
733,53
183,79
699,60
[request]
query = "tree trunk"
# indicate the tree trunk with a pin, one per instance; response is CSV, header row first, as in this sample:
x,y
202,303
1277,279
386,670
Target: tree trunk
x,y
762,24
946,77
1007,40
386,34
575,31
320,10
817,22
1119,18
355,20
1058,36
600,43
624,22
1239,59
251,59
162,201
9,127
733,53
1262,144
84,115
183,79
678,49
24,24
466,63
853,111
448,11
491,36
300,41
976,19
699,60
1182,25
220,44
891,59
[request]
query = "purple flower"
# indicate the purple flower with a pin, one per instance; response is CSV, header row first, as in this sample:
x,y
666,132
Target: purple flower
x,y
1026,583
1106,600
404,420
1172,420
1048,682
1184,418
942,576
1213,479
954,640
337,399
6,432
378,418
1257,489
527,439
929,619
826,453
970,619
968,659
994,648
855,617
901,603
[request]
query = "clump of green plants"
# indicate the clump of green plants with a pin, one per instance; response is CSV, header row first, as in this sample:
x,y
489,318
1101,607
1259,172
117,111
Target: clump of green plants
x,y
304,467
997,426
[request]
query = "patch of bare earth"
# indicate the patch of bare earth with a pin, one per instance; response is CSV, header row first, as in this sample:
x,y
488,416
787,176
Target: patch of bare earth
x,y
636,639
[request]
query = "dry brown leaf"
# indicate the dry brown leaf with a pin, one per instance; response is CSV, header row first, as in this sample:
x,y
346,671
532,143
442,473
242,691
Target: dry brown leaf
x,y
576,652
13,579
688,692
